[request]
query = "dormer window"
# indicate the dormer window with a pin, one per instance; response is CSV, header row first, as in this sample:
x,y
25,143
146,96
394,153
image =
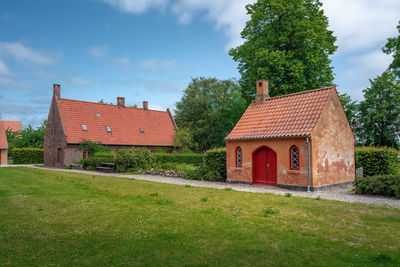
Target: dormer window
x,y
108,129
141,130
84,128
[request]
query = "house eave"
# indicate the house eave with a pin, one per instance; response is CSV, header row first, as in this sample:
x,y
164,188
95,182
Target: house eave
x,y
271,137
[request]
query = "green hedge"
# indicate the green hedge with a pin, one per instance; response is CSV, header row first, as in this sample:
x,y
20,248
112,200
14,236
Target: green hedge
x,y
94,161
194,159
376,160
128,159
213,167
27,155
386,185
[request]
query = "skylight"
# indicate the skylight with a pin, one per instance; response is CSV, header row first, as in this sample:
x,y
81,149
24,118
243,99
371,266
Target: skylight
x,y
141,130
98,114
108,129
84,128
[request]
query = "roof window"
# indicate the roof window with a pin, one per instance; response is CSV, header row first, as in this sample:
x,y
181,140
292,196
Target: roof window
x,y
97,114
108,129
84,128
141,130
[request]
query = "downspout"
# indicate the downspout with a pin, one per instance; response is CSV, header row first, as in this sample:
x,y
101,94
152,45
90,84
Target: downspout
x,y
309,166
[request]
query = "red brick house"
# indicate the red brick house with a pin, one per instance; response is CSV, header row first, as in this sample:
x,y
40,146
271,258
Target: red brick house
x,y
70,122
298,141
3,145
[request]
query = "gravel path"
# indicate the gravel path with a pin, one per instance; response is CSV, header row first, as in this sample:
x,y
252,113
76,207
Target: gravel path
x,y
339,193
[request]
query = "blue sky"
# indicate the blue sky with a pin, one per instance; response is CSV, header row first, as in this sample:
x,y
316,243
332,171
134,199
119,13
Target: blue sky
x,y
150,49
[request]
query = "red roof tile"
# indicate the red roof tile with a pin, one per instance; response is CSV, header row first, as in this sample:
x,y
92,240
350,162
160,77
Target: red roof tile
x,y
13,126
282,116
125,123
3,137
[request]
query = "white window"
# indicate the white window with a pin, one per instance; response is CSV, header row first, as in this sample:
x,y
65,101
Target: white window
x,y
84,128
294,158
108,129
238,157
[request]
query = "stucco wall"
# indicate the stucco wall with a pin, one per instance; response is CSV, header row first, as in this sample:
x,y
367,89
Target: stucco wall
x,y
4,155
333,146
285,176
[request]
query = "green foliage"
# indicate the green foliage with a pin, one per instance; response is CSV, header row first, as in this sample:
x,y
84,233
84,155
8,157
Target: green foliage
x,y
161,150
95,160
269,211
213,167
194,159
350,107
379,122
184,141
27,155
288,195
287,43
376,160
215,159
207,112
29,137
93,147
392,47
386,185
133,158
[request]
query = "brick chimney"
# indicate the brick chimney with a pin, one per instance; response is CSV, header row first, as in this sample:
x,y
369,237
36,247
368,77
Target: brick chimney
x,y
262,91
121,102
56,90
145,105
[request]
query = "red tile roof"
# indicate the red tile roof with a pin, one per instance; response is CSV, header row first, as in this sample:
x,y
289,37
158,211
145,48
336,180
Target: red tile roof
x,y
125,123
13,126
282,116
3,137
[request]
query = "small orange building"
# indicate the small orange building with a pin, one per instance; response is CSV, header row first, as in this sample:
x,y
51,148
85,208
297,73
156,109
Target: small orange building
x,y
297,141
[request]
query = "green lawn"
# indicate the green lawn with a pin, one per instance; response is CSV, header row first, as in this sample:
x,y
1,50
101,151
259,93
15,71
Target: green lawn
x,y
56,218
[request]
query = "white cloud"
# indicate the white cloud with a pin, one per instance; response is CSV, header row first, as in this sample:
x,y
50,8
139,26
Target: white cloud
x,y
135,6
4,69
80,81
362,24
21,52
155,64
369,64
123,61
98,51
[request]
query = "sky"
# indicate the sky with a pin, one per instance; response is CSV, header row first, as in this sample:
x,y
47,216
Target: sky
x,y
151,49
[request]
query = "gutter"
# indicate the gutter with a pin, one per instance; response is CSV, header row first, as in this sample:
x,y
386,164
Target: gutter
x,y
309,165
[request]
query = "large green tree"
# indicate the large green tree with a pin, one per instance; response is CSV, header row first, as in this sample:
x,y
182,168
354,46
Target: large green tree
x,y
29,137
288,44
392,47
379,122
208,111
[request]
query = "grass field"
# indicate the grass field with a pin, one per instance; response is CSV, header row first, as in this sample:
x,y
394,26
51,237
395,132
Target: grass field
x,y
56,218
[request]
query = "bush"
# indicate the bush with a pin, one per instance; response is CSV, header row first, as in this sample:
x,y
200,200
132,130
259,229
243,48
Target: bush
x,y
376,160
27,155
194,159
386,185
213,167
98,158
133,159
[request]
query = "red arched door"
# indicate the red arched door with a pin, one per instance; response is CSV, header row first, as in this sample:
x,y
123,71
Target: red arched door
x,y
264,166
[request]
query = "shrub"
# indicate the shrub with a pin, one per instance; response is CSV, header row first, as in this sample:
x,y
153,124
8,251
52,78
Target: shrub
x,y
386,185
213,167
93,147
98,158
376,160
132,159
27,155
195,159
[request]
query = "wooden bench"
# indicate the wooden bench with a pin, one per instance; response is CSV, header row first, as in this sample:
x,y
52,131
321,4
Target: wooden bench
x,y
106,167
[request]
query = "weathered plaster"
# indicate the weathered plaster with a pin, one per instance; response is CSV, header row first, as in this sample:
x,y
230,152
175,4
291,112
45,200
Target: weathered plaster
x,y
333,146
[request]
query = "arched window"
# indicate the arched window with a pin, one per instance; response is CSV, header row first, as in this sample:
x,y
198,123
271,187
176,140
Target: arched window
x,y
294,158
238,157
